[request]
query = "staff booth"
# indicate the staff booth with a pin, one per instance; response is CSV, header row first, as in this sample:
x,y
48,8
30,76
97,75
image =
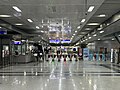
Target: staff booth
x,y
5,50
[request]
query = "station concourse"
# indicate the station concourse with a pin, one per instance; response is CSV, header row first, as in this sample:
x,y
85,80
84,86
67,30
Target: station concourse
x,y
59,44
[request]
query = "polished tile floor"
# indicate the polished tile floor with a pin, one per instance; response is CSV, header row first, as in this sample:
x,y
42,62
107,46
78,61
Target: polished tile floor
x,y
81,75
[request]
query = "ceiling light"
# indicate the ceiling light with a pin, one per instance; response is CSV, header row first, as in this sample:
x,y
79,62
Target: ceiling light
x,y
91,8
5,16
37,27
87,28
98,39
99,28
17,9
75,31
73,34
86,39
94,35
0,27
29,20
90,37
78,27
93,24
18,24
119,35
101,31
101,15
83,20
113,39
42,31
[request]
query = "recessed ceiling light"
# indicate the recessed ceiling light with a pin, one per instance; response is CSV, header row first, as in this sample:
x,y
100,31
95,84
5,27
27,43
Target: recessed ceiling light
x,y
86,39
91,8
90,37
101,15
0,27
37,27
119,35
75,31
17,9
73,34
5,16
87,28
94,35
101,31
78,27
42,31
83,20
29,20
98,39
113,39
18,24
93,24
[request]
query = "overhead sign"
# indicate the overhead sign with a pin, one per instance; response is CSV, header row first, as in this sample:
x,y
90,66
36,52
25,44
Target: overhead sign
x,y
3,32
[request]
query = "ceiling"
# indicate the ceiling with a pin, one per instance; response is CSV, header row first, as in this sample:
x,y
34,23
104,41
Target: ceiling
x,y
56,19
108,8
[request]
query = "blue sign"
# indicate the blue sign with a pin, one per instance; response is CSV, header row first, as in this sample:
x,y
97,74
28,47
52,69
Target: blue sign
x,y
17,42
54,41
3,32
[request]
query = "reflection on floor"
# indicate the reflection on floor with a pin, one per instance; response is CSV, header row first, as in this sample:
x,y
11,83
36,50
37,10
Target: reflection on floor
x,y
81,75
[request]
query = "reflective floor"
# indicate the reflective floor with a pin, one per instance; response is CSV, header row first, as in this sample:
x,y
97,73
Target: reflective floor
x,y
81,75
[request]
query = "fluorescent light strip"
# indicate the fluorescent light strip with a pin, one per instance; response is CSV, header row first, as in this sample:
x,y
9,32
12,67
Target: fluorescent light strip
x,y
90,37
42,31
29,20
101,31
83,20
94,35
91,8
113,39
5,15
101,15
93,24
73,34
17,9
75,31
78,27
37,27
18,24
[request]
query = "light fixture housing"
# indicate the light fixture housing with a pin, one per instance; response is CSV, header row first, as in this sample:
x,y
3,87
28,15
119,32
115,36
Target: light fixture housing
x,y
17,9
91,8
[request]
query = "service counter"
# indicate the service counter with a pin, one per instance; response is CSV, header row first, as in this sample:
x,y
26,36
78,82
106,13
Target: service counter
x,y
22,58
